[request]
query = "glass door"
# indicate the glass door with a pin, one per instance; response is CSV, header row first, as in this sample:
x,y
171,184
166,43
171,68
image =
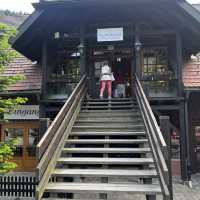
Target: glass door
x,y
28,136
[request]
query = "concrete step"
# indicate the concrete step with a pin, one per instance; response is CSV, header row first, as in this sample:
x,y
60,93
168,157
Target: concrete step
x,y
109,118
112,99
119,112
104,173
106,114
95,123
102,188
110,103
109,161
107,141
108,127
109,107
106,150
108,133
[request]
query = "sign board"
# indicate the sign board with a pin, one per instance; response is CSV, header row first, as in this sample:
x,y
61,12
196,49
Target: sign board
x,y
110,34
24,112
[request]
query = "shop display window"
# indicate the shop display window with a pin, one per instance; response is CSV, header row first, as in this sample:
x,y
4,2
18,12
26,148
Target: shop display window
x,y
158,75
155,62
64,75
13,133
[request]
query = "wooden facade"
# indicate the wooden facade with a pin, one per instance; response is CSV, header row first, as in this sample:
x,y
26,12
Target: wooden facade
x,y
155,45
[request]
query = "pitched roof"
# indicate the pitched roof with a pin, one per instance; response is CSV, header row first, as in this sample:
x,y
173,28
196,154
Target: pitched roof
x,y
191,74
31,71
31,35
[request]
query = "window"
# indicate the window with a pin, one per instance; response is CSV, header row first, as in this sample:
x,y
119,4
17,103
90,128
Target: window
x,y
155,62
33,136
65,75
13,133
33,139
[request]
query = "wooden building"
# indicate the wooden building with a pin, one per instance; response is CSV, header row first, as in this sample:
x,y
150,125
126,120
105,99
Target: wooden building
x,y
23,123
154,39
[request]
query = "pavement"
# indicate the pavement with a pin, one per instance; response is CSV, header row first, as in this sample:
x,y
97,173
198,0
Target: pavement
x,y
183,192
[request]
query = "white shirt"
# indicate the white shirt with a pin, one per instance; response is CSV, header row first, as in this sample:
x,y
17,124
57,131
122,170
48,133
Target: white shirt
x,y
106,73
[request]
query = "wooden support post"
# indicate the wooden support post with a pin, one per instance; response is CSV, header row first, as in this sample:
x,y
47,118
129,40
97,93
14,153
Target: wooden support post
x,y
165,129
137,53
82,51
91,74
188,139
179,63
44,69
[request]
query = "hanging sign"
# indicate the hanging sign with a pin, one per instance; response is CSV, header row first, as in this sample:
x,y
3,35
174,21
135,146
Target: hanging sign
x,y
24,112
110,34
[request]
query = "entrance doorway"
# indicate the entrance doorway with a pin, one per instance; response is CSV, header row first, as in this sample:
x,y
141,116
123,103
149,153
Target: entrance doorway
x,y
120,60
196,128
28,136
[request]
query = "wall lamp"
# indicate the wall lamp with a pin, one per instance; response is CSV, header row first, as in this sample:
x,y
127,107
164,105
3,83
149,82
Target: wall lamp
x,y
138,44
81,48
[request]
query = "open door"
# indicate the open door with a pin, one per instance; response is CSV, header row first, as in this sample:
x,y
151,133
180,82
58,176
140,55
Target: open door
x,y
120,59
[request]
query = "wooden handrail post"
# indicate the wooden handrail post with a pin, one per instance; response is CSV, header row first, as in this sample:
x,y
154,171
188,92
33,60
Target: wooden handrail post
x,y
165,129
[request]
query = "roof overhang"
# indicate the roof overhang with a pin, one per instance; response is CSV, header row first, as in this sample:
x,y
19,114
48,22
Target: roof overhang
x,y
52,15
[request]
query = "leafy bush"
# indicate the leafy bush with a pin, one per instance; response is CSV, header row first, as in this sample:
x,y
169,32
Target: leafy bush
x,y
6,155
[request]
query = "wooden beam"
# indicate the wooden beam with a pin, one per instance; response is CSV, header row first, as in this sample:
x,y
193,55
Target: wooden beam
x,y
179,59
83,51
182,18
190,10
26,25
44,69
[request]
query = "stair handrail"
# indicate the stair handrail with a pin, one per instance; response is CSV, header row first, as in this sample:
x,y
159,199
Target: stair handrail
x,y
155,137
50,145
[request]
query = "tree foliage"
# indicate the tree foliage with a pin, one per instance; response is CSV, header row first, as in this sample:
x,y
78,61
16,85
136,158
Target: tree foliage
x,y
6,155
6,56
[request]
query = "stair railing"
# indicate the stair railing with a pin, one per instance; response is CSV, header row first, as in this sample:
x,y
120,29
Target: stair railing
x,y
50,146
155,137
